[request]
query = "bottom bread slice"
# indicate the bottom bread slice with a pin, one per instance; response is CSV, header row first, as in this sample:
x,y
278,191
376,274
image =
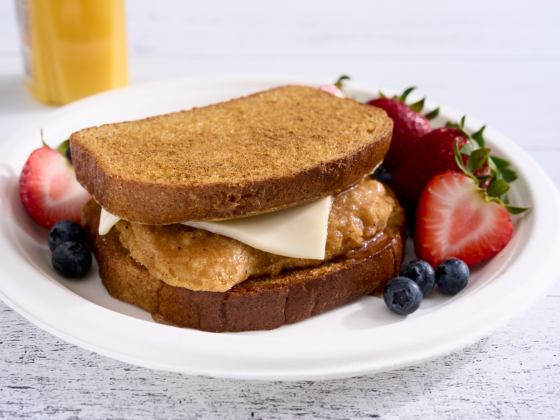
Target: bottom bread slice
x,y
262,303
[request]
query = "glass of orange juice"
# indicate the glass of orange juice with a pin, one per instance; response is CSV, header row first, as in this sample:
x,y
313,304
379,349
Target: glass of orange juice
x,y
72,48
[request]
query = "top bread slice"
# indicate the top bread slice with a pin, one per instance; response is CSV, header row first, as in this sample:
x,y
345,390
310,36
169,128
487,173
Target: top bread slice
x,y
265,152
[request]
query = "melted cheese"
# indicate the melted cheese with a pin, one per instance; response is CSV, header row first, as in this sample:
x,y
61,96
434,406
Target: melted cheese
x,y
298,232
106,222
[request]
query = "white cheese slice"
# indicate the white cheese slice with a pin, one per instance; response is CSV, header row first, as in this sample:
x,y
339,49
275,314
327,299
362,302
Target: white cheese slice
x,y
106,222
298,232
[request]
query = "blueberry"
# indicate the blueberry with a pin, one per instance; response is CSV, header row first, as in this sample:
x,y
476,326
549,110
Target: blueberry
x,y
452,275
422,273
382,175
71,259
69,155
64,231
402,295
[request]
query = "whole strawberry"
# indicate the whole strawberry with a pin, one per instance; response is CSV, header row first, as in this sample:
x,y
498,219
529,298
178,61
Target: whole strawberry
x,y
336,88
408,126
457,218
49,190
432,155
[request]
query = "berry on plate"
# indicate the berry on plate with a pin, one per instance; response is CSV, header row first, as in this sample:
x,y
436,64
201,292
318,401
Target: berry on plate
x,y
435,153
402,295
382,175
71,259
66,231
431,156
49,190
421,272
452,276
335,88
457,218
408,125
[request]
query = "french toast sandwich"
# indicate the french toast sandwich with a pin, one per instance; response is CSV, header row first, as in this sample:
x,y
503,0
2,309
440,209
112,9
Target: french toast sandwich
x,y
266,155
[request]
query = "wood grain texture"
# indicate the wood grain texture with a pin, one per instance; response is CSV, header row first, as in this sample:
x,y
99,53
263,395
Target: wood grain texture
x,y
512,374
499,61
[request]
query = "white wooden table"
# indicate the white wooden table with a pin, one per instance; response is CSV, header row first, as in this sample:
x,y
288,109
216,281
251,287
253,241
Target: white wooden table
x,y
499,61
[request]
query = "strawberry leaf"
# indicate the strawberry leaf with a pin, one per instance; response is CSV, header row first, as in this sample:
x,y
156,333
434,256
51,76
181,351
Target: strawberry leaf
x,y
469,148
477,159
458,127
405,94
483,179
478,137
433,114
417,106
516,210
500,163
508,174
501,173
63,148
497,188
382,95
459,160
340,81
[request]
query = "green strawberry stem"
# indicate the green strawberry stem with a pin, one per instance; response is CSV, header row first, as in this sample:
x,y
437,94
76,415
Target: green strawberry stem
x,y
498,187
417,106
405,94
433,114
340,81
499,167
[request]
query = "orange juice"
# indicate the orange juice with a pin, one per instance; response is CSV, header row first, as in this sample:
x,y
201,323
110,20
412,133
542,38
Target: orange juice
x,y
72,48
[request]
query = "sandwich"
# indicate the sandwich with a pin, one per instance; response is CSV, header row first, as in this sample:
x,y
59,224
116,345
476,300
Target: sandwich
x,y
244,215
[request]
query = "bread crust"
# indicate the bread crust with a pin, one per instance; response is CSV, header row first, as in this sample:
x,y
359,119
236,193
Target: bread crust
x,y
262,303
160,203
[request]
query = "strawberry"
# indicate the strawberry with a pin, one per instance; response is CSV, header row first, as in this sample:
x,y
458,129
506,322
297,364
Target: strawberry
x,y
431,156
456,218
335,88
434,154
49,190
408,125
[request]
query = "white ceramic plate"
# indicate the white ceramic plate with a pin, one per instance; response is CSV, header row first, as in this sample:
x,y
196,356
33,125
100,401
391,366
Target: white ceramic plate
x,y
359,338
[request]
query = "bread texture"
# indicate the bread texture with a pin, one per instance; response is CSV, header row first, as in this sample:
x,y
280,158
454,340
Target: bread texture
x,y
265,152
261,303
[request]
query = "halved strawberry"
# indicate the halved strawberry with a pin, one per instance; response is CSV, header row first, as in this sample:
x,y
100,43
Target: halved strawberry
x,y
459,217
454,219
49,190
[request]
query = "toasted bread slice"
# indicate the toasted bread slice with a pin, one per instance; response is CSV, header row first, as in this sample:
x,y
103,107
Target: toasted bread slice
x,y
262,303
265,152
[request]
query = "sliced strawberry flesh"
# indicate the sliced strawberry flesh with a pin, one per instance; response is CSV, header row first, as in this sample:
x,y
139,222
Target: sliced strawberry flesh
x,y
49,190
454,219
